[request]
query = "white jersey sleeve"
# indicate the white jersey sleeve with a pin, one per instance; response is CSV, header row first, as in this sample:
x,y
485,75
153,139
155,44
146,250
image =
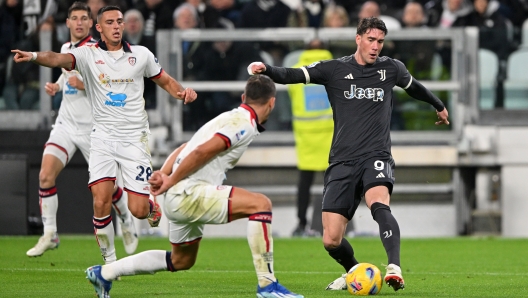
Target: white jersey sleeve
x,y
153,68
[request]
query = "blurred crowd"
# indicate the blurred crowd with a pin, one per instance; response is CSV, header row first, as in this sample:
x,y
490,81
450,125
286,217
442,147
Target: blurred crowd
x,y
499,22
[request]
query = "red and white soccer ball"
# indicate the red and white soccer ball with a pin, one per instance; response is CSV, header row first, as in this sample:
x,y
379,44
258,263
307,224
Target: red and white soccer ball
x,y
364,279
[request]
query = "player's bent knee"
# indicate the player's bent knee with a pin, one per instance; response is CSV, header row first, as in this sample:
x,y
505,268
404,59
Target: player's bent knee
x,y
138,211
330,243
263,203
46,178
183,262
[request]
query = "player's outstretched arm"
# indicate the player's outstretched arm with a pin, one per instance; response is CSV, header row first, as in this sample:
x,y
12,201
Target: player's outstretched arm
x,y
48,59
281,75
174,88
418,91
196,159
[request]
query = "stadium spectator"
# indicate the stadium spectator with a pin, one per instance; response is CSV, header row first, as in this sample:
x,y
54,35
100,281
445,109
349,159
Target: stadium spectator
x,y
9,29
416,54
264,14
70,133
228,9
134,34
372,9
443,13
157,14
208,16
192,176
314,11
335,16
220,60
119,145
361,165
493,32
22,89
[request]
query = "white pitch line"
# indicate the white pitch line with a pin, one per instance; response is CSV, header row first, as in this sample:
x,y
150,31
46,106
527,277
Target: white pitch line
x,y
280,272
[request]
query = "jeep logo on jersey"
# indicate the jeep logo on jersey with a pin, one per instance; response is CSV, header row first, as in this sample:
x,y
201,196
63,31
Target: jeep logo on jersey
x,y
70,90
116,99
376,94
132,60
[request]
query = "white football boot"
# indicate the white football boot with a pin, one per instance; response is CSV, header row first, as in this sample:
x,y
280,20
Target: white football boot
x,y
338,284
49,240
393,277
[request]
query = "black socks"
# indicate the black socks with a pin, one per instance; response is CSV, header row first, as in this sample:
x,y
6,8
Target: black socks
x,y
343,254
389,231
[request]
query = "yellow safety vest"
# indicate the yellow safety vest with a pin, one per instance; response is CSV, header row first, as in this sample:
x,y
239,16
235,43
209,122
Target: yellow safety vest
x,y
312,120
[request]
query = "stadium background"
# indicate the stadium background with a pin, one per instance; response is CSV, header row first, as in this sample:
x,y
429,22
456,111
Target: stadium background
x,y
466,180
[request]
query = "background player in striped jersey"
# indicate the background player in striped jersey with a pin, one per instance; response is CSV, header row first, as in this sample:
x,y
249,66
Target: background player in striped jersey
x,y
71,132
113,73
192,176
359,89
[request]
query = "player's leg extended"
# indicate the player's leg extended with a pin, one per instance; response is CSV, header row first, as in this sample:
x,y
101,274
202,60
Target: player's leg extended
x,y
334,227
257,207
377,199
49,170
182,257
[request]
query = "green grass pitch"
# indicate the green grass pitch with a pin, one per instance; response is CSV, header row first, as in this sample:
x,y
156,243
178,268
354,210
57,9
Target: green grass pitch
x,y
457,267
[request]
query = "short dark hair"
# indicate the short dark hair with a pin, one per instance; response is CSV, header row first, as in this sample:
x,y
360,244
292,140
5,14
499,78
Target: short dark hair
x,y
259,89
105,9
370,23
77,5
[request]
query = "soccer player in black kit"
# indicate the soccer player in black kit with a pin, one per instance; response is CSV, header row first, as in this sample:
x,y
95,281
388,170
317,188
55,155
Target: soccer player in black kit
x,y
359,88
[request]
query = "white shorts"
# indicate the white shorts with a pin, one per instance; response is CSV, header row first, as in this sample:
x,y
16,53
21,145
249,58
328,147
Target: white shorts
x,y
189,207
67,142
132,159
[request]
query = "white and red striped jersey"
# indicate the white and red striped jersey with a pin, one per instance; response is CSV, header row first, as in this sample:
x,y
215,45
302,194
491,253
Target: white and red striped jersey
x,y
237,128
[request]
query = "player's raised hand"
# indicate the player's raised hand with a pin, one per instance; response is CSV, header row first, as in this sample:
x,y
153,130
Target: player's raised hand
x,y
51,88
442,117
188,95
76,83
21,56
256,68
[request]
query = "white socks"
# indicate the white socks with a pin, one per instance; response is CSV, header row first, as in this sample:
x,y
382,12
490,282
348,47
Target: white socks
x,y
119,202
104,233
147,262
49,203
261,245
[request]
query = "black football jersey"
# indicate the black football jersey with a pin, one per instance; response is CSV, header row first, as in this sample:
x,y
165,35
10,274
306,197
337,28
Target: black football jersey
x,y
362,102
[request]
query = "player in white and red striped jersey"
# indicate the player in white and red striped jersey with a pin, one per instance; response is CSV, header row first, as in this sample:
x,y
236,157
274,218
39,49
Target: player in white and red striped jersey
x,y
71,132
192,176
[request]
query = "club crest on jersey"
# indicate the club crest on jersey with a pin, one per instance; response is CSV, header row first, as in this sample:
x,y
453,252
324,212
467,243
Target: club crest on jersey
x,y
376,94
382,73
116,99
132,60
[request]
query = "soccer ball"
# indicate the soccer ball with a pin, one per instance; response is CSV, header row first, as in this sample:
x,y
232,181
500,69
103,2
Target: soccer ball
x,y
364,279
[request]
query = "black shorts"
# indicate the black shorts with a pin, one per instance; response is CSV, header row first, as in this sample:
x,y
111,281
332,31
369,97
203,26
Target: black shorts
x,y
345,183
